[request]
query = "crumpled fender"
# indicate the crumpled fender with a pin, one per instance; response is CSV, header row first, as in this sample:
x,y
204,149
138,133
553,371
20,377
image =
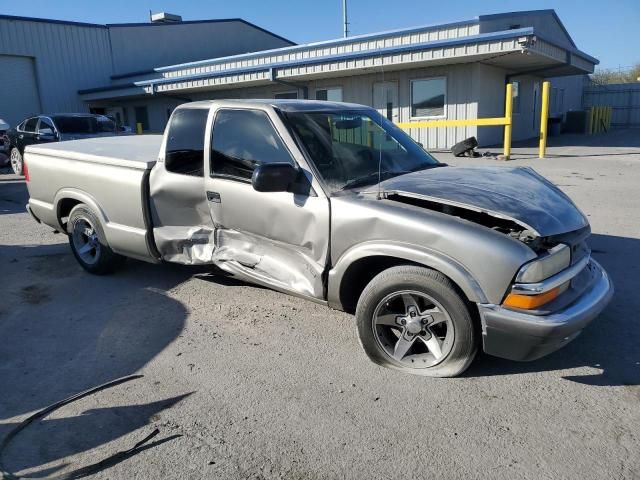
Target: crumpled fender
x,y
414,253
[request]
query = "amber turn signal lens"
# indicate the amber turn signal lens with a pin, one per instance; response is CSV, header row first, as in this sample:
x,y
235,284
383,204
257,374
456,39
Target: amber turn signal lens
x,y
529,302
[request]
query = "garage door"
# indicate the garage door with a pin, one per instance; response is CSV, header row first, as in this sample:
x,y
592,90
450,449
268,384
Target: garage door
x,y
19,97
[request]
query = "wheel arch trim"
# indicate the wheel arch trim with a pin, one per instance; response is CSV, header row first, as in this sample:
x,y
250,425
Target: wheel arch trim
x,y
82,197
402,251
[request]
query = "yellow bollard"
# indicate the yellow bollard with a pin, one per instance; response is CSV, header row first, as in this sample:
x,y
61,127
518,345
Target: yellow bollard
x,y
508,114
139,128
590,119
544,119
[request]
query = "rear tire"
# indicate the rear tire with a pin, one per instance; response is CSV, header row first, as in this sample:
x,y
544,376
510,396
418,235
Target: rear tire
x,y
88,242
16,161
414,319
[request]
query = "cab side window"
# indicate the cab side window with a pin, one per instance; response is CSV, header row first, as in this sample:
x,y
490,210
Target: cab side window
x,y
185,142
242,140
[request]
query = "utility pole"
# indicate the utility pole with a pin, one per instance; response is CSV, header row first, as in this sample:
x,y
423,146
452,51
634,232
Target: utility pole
x,y
345,18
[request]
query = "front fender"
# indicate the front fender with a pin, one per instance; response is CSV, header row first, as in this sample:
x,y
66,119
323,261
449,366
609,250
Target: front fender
x,y
404,251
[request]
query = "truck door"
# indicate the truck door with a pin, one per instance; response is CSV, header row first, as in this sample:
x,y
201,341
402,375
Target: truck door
x,y
182,227
280,239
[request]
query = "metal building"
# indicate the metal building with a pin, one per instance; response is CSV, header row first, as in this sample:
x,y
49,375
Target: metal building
x,y
447,71
44,63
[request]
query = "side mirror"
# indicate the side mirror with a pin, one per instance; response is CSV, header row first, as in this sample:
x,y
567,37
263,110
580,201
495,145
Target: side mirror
x,y
273,177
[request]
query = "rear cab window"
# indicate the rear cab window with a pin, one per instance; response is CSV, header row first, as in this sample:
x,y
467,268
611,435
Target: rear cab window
x,y
184,153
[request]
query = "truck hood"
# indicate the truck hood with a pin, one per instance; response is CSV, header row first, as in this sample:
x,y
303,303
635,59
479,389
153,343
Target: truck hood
x,y
513,193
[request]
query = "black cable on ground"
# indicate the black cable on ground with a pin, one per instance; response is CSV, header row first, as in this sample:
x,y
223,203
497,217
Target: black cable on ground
x,y
90,469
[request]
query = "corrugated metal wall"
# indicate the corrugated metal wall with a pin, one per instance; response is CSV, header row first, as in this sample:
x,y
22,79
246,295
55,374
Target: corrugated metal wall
x,y
624,98
461,101
66,58
143,47
323,49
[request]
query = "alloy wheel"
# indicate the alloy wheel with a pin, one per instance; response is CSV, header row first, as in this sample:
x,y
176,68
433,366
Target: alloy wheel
x,y
85,241
413,329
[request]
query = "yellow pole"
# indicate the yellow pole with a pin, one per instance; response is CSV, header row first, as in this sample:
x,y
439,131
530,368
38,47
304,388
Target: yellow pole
x,y
139,128
508,114
544,119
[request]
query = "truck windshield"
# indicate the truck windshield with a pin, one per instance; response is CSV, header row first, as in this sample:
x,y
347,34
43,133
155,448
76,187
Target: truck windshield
x,y
84,124
350,149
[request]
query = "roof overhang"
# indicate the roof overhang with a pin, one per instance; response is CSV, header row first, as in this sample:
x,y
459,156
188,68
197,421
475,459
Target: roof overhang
x,y
518,51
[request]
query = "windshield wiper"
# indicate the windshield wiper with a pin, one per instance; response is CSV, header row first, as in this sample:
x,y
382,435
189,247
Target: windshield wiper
x,y
372,177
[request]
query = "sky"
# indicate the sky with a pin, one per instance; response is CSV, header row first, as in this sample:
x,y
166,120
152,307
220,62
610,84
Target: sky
x,y
607,30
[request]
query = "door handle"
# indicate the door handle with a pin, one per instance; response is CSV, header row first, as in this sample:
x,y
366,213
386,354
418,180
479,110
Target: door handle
x,y
213,197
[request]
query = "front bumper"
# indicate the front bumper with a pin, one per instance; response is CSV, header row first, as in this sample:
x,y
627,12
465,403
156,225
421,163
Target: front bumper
x,y
517,335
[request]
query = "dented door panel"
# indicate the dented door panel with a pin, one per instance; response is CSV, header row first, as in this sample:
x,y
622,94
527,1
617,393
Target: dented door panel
x,y
277,239
182,226
274,236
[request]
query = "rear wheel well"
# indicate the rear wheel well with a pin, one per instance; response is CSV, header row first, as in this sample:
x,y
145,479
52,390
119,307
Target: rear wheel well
x,y
64,209
362,271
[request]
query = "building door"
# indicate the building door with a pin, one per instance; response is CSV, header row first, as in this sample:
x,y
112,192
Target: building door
x,y
536,107
385,99
19,96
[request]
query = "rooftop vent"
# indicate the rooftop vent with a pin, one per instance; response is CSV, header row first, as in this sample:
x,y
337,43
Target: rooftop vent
x,y
164,17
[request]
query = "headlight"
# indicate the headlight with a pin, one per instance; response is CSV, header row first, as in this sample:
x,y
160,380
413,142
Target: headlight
x,y
556,260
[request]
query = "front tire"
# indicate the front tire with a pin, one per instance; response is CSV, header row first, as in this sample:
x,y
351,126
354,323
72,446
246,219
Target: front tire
x,y
15,159
88,242
413,319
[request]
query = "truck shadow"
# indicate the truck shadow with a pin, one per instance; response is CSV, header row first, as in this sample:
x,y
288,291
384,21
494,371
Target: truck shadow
x,y
610,343
13,196
64,331
70,436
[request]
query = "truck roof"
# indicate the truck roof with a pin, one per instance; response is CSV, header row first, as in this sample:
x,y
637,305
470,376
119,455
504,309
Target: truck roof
x,y
287,105
132,151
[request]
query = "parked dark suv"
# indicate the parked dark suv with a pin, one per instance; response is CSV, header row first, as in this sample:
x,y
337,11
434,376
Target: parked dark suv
x,y
55,128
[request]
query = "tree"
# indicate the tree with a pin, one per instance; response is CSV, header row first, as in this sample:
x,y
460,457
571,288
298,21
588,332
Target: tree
x,y
608,76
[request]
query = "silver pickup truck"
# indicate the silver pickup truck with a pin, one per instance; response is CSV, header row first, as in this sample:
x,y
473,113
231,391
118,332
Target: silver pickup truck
x,y
332,202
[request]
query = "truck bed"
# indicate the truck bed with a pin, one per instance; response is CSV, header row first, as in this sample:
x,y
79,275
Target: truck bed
x,y
110,175
132,151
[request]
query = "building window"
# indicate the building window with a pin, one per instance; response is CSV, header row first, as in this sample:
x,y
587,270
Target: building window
x,y
515,92
286,95
142,116
185,142
329,94
429,98
242,140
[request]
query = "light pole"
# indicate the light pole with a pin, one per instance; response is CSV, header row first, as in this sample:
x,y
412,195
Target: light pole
x,y
345,19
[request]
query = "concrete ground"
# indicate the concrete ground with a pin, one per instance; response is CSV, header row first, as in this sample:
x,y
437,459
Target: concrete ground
x,y
244,382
